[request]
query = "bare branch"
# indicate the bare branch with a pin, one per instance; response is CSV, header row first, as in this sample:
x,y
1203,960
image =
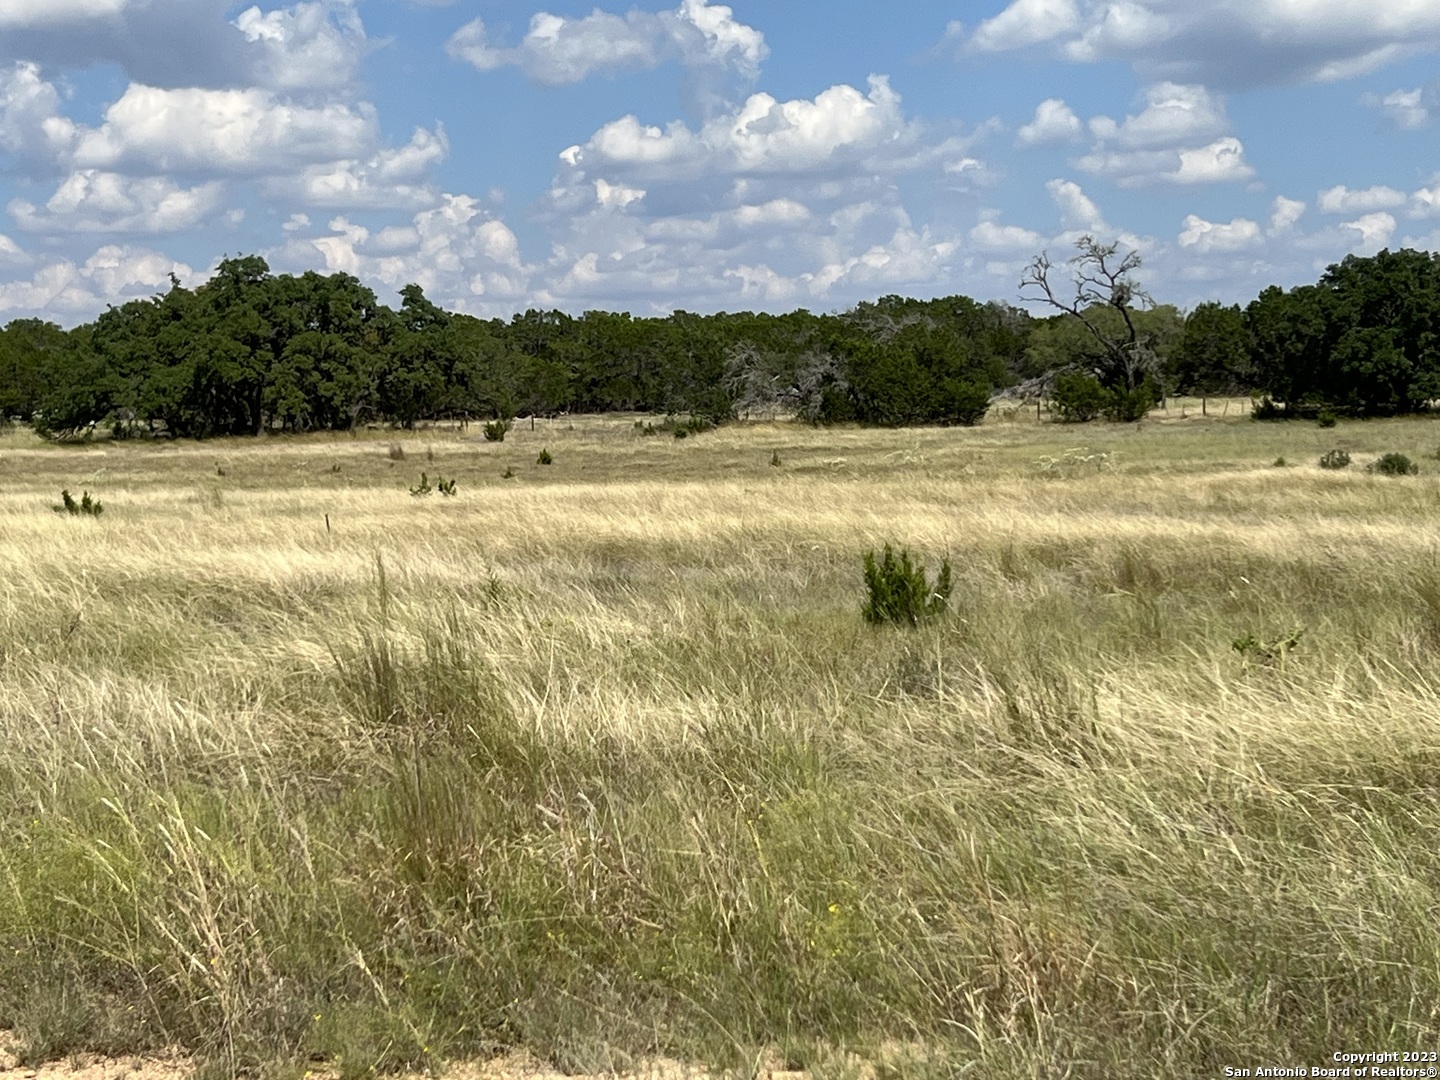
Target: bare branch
x,y
1100,281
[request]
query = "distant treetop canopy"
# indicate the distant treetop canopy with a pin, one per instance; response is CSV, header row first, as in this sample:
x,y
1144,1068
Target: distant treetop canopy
x,y
250,351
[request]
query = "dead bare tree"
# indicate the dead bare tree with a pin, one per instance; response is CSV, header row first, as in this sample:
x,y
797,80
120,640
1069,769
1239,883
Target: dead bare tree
x,y
1102,280
752,386
820,372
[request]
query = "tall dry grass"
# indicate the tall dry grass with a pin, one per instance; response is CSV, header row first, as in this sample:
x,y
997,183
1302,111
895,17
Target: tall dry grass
x,y
603,762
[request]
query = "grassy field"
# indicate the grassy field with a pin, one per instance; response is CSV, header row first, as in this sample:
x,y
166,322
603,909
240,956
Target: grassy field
x,y
601,760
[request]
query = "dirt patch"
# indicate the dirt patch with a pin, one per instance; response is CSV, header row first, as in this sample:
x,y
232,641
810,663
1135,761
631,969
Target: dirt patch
x,y
93,1066
515,1066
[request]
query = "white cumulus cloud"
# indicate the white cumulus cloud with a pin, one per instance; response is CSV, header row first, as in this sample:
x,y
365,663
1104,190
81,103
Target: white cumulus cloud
x,y
388,178
1222,42
1284,214
616,196
309,45
455,251
1026,22
11,253
990,236
558,50
65,290
1078,211
1341,200
909,256
763,135
1426,201
1207,236
1054,122
30,13
30,122
1375,230
1222,161
301,46
90,201
129,167
1409,110
775,213
1164,143
221,131
1173,114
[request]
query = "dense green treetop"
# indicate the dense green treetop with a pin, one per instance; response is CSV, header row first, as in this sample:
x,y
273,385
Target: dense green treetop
x,y
1213,353
1364,339
26,346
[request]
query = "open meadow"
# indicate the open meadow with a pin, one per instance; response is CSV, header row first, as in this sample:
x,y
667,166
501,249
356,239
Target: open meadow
x,y
601,761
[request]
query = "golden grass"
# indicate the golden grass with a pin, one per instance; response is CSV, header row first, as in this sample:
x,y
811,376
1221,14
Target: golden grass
x,y
601,762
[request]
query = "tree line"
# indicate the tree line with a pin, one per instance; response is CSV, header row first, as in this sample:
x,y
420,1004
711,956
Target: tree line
x,y
250,351
1364,340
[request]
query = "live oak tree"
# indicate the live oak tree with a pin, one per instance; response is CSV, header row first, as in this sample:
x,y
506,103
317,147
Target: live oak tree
x,y
26,345
1365,339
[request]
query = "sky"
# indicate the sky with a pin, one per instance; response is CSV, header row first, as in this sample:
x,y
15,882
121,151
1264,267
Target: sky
x,y
762,155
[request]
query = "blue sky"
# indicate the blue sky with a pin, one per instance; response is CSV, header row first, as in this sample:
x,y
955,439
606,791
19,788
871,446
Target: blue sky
x,y
772,155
